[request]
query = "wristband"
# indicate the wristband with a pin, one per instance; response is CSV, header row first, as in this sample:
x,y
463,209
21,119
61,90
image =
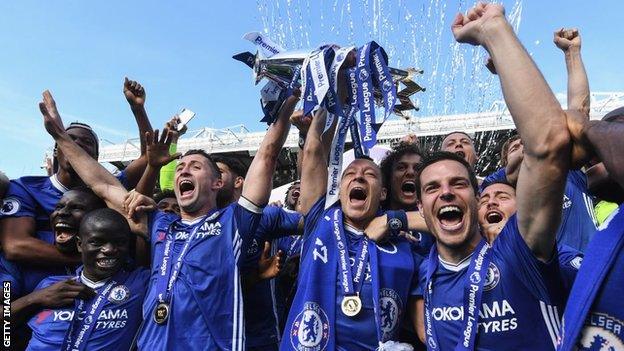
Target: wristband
x,y
397,222
302,138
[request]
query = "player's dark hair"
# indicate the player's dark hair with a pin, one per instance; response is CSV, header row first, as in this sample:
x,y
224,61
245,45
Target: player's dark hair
x,y
164,194
485,185
387,164
234,164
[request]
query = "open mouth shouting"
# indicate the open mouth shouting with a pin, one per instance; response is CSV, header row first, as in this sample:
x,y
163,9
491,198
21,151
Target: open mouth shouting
x,y
187,188
450,217
357,196
460,154
494,216
64,232
408,188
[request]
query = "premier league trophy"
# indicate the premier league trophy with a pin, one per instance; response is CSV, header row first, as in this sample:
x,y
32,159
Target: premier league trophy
x,y
342,80
280,66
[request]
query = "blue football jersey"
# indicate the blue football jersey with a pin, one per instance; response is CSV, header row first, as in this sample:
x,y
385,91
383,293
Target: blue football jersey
x,y
206,307
116,325
397,268
521,305
36,197
603,327
261,314
578,222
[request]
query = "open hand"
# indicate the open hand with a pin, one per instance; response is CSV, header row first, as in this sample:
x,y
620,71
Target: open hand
x,y
157,149
134,92
469,28
51,117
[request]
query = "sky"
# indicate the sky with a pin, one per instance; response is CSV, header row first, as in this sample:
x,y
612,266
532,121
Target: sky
x,y
181,52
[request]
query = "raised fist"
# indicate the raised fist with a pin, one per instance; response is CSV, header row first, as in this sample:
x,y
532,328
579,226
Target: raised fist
x,y
134,92
564,39
469,28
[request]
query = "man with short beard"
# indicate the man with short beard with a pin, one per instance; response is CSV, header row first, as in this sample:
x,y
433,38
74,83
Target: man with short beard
x,y
594,313
98,307
196,282
343,274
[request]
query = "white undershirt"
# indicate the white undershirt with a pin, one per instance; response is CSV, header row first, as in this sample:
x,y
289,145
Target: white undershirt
x,y
90,283
456,267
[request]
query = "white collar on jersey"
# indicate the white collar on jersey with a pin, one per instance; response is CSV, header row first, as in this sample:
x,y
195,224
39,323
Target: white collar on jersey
x,y
455,267
57,184
353,229
193,221
90,283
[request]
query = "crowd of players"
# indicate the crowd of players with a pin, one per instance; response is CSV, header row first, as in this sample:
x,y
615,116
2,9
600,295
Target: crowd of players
x,y
417,253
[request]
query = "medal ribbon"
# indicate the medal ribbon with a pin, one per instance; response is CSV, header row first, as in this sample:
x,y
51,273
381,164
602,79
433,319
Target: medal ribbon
x,y
351,281
366,101
80,330
170,270
473,291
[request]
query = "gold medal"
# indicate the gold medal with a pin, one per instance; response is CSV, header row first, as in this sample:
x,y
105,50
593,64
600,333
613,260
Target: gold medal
x,y
351,305
161,313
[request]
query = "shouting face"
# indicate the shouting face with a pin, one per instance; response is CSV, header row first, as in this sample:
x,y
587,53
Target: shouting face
x,y
361,192
67,215
196,184
448,203
403,182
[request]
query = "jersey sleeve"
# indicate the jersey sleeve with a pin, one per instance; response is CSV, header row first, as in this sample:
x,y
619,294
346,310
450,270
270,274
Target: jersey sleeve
x,y
421,280
277,222
247,216
511,248
17,202
415,289
313,216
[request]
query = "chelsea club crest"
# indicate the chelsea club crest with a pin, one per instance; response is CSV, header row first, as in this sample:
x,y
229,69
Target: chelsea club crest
x,y
310,330
492,278
119,294
390,308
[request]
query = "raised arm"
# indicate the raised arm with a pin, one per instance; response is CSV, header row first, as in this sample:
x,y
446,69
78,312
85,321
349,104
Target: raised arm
x,y
135,95
314,165
259,179
569,41
102,182
538,117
